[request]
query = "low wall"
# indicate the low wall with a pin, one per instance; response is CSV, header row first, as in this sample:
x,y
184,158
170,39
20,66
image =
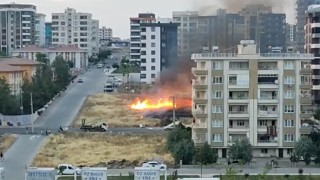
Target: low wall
x,y
18,120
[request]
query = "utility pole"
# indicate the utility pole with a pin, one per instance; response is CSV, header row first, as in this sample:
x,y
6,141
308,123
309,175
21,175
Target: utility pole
x,y
32,131
173,98
21,101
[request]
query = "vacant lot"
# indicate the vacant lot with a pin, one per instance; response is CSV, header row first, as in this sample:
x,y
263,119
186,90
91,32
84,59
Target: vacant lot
x,y
90,149
113,109
6,141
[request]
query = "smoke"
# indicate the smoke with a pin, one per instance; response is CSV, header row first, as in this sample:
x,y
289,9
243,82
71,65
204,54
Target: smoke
x,y
209,7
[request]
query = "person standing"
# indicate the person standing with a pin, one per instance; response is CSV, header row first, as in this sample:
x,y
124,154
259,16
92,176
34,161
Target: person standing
x,y
1,156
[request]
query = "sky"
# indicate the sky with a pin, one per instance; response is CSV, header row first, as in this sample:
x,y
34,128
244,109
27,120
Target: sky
x,y
116,13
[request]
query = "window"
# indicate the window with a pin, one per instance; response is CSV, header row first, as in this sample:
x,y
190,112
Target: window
x,y
263,123
143,68
264,151
217,95
288,65
289,151
289,109
217,138
153,44
153,60
217,65
217,80
153,52
289,80
217,123
143,76
143,45
240,123
290,94
143,60
143,29
153,68
153,36
216,109
288,123
143,52
288,138
75,29
153,29
153,75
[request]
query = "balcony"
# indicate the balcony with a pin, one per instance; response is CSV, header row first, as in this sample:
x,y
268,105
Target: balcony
x,y
315,25
306,69
198,114
200,100
268,143
306,114
199,84
268,66
316,35
199,138
268,114
305,85
235,128
238,114
268,97
236,84
199,71
306,129
306,99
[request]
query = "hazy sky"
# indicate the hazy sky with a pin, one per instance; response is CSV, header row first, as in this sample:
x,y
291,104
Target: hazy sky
x,y
116,13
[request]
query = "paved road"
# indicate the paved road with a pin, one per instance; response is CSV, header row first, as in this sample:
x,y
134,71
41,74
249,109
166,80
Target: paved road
x,y
60,113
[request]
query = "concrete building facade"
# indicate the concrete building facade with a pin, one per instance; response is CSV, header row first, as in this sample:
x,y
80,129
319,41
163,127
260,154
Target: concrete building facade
x,y
263,97
40,29
105,33
78,56
135,33
48,35
158,49
75,28
17,23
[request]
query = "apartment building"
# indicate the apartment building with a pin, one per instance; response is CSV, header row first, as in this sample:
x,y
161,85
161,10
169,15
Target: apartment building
x,y
105,33
159,49
312,45
135,39
17,23
263,97
48,41
78,56
40,35
15,70
75,28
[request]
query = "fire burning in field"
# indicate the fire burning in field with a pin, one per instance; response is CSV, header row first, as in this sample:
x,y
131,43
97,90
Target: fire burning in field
x,y
161,103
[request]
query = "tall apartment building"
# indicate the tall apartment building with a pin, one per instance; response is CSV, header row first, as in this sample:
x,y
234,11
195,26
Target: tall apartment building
x,y
40,36
75,28
105,33
158,49
263,97
312,45
135,39
17,24
48,35
301,8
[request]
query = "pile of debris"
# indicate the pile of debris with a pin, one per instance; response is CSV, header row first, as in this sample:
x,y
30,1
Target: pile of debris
x,y
115,164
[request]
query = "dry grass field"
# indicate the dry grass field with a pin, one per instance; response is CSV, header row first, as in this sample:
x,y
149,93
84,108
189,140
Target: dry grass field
x,y
90,149
113,109
6,141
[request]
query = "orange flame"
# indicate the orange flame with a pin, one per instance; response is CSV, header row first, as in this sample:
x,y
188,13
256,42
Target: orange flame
x,y
146,104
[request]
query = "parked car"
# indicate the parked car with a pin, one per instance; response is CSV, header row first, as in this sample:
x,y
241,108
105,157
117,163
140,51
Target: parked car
x,y
154,164
80,81
99,65
68,169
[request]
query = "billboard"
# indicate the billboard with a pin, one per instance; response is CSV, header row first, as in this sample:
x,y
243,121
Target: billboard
x,y
40,174
94,174
142,173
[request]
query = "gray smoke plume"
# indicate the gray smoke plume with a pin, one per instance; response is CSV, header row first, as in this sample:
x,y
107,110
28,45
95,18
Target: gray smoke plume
x,y
209,7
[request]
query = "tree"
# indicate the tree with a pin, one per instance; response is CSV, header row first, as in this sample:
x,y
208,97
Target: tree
x,y
61,71
206,155
9,103
315,137
184,150
241,150
180,145
304,148
104,54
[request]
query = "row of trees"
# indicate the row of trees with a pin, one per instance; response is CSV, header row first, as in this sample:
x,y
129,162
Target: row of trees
x,y
46,83
181,146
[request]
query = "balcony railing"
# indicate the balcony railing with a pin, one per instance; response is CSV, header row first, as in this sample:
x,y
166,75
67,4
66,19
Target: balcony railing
x,y
199,82
238,98
269,55
265,113
267,141
269,98
266,83
238,112
238,127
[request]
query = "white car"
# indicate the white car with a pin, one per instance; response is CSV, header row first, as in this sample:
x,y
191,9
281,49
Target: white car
x,y
99,65
68,169
154,164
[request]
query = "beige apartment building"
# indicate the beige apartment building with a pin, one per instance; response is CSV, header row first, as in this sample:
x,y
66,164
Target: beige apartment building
x,y
263,97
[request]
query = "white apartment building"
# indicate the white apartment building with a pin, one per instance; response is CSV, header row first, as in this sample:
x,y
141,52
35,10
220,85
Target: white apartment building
x,y
17,24
105,33
78,56
75,28
263,97
40,29
135,39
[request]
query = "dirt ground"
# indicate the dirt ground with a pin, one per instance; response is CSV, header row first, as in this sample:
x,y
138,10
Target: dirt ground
x,y
90,149
113,109
6,141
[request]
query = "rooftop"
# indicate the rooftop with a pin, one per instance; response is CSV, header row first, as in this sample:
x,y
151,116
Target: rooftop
x,y
15,61
59,48
7,68
208,56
